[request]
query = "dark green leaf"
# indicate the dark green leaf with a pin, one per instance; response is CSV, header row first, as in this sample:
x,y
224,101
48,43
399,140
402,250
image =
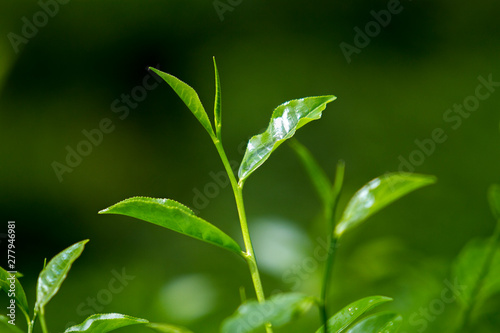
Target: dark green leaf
x,y
189,97
341,320
164,328
285,120
217,104
377,194
102,323
6,327
317,175
494,199
20,295
174,216
54,274
277,310
384,322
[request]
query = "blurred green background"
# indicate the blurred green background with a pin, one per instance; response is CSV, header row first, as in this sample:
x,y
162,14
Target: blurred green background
x,y
395,90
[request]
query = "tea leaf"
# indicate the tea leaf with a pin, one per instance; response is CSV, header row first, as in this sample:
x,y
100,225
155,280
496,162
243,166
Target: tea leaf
x,y
476,271
386,322
494,199
164,328
174,216
102,323
317,175
377,194
341,320
285,121
189,97
6,327
54,274
277,310
20,296
217,104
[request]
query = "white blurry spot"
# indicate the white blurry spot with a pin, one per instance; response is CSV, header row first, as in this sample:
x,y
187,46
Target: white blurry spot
x,y
279,244
189,297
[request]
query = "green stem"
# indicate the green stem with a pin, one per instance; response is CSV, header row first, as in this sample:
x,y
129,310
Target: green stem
x,y
330,212
249,252
31,324
467,314
42,321
332,249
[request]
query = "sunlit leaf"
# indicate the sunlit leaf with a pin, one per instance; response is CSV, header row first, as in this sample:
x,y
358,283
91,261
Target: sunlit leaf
x,y
164,328
341,320
174,216
494,199
189,97
102,323
277,310
6,327
317,175
285,120
54,274
384,322
377,194
217,104
20,296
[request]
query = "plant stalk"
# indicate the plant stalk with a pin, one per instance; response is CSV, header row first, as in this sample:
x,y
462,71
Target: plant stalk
x,y
330,212
332,249
42,321
249,252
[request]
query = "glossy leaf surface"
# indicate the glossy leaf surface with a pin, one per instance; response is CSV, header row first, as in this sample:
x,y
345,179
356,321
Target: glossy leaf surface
x,y
164,328
217,104
174,216
377,194
285,121
384,322
55,272
277,310
20,295
494,199
189,97
102,323
341,320
6,327
317,175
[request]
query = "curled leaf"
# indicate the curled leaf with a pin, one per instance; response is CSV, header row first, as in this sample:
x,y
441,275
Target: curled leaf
x,y
217,104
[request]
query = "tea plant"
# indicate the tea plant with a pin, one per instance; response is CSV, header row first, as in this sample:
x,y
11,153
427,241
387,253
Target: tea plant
x,y
279,309
262,313
49,282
